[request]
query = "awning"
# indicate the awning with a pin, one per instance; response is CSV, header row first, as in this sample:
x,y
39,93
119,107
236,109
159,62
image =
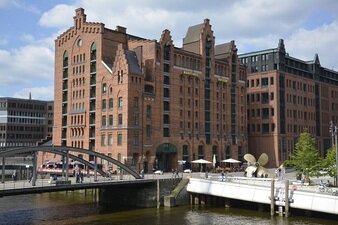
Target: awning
x,y
166,148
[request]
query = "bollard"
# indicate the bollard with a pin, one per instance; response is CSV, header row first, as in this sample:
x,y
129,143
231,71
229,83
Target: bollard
x,y
272,198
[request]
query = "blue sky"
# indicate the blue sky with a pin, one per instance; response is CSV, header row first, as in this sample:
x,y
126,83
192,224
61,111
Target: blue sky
x,y
29,28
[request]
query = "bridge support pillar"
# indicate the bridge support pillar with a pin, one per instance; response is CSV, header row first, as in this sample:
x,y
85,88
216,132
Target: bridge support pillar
x,y
272,198
34,170
227,203
287,198
3,170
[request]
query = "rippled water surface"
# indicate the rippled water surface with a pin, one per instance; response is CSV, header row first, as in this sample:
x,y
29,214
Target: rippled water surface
x,y
80,208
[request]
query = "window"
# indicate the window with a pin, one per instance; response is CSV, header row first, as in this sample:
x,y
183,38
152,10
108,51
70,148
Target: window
x,y
103,121
166,92
119,122
120,102
265,128
166,132
119,139
104,104
265,98
265,113
110,120
166,119
111,103
166,68
104,88
136,139
148,131
166,106
136,103
103,140
136,119
110,139
148,112
265,82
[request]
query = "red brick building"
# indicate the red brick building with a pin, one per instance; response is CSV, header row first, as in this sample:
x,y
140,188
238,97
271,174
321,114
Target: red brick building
x,y
145,102
286,95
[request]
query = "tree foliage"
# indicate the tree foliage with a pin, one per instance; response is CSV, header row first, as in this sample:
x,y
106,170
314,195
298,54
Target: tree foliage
x,y
329,162
306,156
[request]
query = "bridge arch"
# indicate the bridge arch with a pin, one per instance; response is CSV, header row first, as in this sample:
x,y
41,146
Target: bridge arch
x,y
64,150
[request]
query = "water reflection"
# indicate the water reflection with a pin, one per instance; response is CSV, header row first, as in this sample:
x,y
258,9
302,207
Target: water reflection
x,y
81,208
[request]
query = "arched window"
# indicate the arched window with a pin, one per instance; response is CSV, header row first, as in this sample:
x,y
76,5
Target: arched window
x,y
93,52
65,59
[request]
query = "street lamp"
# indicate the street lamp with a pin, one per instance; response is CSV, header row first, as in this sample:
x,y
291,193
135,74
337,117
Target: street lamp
x,y
27,167
333,130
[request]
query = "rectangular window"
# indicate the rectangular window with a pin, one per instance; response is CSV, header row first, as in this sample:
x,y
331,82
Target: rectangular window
x,y
166,68
166,92
104,121
110,103
265,128
148,131
136,103
136,119
110,139
120,102
265,98
110,120
166,106
166,132
119,122
103,140
265,82
104,104
148,112
136,139
119,139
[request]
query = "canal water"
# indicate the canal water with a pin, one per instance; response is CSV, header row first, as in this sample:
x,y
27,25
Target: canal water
x,y
80,207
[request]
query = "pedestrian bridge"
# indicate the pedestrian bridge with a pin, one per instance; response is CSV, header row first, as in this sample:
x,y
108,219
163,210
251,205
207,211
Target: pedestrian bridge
x,y
259,190
66,153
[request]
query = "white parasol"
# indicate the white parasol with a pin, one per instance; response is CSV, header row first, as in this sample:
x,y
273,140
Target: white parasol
x,y
231,160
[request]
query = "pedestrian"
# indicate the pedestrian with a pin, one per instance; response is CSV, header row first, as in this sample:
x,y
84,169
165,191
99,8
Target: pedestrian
x,y
14,175
176,174
173,171
30,178
77,177
81,177
222,175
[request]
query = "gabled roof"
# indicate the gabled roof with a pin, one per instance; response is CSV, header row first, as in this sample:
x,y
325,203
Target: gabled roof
x,y
132,61
193,33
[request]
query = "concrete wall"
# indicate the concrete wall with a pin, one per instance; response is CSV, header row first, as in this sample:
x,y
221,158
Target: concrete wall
x,y
136,195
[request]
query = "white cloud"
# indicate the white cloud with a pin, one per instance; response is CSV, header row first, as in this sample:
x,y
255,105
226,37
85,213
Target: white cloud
x,y
27,64
39,93
323,40
254,25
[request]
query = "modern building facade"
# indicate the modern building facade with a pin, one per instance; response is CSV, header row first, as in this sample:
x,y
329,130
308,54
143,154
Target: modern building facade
x,y
145,102
24,122
286,95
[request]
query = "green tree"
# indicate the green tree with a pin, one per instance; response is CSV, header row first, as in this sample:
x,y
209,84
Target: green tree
x,y
306,156
329,162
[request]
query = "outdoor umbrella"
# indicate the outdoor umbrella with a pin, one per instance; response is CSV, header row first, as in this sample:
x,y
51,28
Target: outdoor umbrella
x,y
231,160
201,161
214,161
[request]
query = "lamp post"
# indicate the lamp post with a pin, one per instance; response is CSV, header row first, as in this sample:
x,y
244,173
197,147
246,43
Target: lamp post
x,y
333,131
27,167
